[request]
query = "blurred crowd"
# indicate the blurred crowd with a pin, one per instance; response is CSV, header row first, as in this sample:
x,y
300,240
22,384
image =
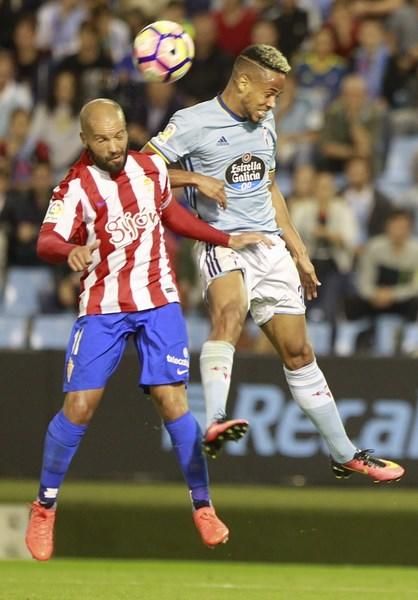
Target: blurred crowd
x,y
347,155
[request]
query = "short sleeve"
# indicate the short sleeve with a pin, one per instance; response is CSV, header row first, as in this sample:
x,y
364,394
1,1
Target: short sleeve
x,y
180,138
272,140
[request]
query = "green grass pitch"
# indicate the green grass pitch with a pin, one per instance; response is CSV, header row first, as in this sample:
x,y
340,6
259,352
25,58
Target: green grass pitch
x,y
176,580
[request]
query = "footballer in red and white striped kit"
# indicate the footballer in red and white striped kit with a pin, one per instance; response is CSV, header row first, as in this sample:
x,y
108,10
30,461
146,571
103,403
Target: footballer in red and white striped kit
x,y
106,219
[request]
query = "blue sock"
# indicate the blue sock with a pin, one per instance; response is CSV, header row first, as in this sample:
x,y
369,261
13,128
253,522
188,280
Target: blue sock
x,y
186,437
61,443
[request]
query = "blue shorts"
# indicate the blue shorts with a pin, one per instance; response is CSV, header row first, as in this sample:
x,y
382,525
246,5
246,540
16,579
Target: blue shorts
x,y
97,344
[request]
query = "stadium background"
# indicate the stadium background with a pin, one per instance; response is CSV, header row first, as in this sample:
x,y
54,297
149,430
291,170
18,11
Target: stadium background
x,y
273,486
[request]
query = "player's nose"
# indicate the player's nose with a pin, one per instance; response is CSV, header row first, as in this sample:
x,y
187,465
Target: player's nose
x,y
113,147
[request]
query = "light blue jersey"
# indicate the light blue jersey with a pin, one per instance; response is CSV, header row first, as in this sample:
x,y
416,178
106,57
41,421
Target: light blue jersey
x,y
209,139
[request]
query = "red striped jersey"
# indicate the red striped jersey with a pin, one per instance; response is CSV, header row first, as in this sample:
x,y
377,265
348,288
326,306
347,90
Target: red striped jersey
x,y
131,270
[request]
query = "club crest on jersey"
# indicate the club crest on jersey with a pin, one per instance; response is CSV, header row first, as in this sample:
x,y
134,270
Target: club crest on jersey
x,y
127,227
246,172
55,210
70,368
166,134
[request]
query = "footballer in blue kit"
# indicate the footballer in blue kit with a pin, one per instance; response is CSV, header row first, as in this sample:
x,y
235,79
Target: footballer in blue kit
x,y
128,290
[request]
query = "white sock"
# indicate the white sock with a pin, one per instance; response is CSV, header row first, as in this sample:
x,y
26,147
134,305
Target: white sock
x,y
216,361
311,392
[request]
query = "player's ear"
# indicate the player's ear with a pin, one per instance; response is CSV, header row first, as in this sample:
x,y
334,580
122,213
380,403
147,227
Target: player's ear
x,y
243,82
83,139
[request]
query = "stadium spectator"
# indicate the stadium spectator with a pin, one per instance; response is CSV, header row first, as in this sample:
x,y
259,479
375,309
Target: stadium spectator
x,y
319,71
292,25
234,22
12,94
266,9
19,151
317,11
136,20
370,207
403,25
375,8
344,28
328,227
298,122
114,33
56,123
175,10
409,199
211,65
400,81
303,185
194,7
387,274
371,57
23,215
90,65
265,32
353,126
58,25
32,65
6,195
10,13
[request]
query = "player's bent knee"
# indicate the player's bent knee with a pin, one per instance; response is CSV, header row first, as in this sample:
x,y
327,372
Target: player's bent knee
x,y
296,356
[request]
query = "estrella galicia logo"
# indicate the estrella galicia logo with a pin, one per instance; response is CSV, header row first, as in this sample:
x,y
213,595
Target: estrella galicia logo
x,y
245,173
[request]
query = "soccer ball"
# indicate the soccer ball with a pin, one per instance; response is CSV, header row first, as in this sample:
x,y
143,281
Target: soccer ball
x,y
163,51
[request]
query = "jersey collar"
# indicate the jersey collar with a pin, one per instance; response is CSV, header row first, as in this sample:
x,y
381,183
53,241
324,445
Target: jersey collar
x,y
229,111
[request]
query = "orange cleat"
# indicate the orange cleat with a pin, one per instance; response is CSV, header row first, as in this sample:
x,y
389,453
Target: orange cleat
x,y
378,469
222,431
211,529
40,531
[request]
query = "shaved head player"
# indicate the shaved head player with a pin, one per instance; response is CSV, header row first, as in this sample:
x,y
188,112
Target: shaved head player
x,y
106,219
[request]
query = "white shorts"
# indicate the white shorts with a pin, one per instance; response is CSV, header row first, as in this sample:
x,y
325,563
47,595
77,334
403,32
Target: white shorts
x,y
270,275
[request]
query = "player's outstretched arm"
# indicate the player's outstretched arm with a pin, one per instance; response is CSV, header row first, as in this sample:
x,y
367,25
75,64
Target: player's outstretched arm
x,y
237,241
182,222
295,244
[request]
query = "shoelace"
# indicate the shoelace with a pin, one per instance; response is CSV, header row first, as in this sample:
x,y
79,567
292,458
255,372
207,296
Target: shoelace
x,y
369,461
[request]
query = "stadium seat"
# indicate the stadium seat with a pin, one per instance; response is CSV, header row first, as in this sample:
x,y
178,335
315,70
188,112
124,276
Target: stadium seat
x,y
409,344
347,334
320,334
13,332
398,172
198,328
386,335
51,332
24,288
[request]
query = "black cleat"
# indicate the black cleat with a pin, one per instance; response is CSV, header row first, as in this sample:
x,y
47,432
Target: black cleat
x,y
222,431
